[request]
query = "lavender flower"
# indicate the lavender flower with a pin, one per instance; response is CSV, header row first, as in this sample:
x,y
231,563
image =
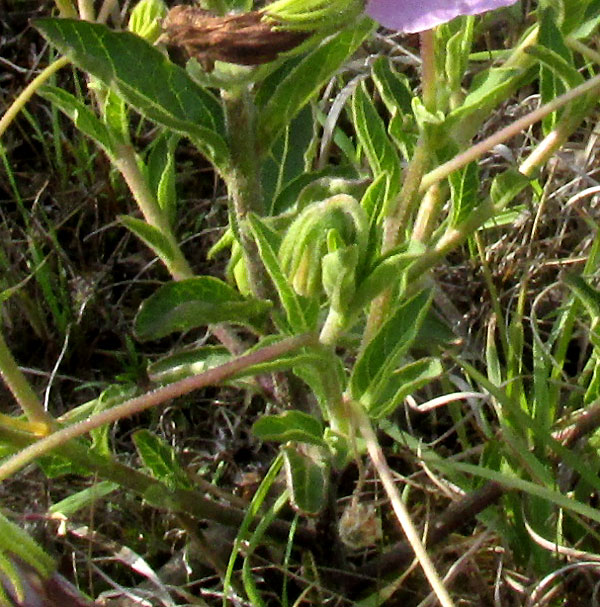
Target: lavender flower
x,y
418,15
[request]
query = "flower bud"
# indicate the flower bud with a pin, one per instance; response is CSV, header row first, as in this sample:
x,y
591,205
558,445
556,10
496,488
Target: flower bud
x,y
321,229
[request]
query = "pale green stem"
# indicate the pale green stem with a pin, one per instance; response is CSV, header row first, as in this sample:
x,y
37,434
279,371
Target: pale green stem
x,y
152,399
66,9
394,227
106,9
550,144
584,50
20,388
337,410
126,162
453,238
427,216
28,92
477,151
86,10
363,423
428,77
396,222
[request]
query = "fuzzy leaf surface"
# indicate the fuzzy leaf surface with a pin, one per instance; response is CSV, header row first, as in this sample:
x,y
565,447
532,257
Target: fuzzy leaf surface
x,y
373,369
196,302
288,426
306,480
145,78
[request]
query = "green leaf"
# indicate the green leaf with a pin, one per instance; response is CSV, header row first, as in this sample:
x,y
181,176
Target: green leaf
x,y
300,316
506,187
82,499
285,161
464,185
305,79
578,26
586,294
116,115
378,147
558,72
196,302
54,466
161,173
488,89
458,48
372,202
404,381
191,362
338,276
386,273
393,87
82,116
160,459
317,185
244,532
395,93
374,367
557,75
527,487
507,217
151,236
344,143
290,426
323,385
341,448
307,481
114,395
145,79
14,540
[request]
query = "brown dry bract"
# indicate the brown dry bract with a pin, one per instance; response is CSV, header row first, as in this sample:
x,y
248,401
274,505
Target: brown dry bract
x,y
242,38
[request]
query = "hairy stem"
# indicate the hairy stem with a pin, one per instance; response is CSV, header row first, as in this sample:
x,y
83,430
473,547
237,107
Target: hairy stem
x,y
243,182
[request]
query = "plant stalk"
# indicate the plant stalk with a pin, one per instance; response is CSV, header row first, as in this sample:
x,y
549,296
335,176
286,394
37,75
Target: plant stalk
x,y
126,162
21,390
243,182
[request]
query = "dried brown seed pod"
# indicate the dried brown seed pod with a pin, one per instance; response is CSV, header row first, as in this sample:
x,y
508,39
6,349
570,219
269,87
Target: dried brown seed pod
x,y
242,38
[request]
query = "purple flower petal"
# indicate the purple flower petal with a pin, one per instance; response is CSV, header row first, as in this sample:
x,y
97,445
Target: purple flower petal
x,y
412,16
